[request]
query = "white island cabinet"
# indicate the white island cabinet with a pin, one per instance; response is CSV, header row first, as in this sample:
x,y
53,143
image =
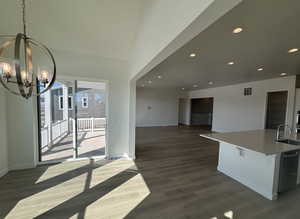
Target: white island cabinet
x,y
252,158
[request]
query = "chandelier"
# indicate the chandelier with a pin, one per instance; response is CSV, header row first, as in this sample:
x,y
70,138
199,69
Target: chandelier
x,y
20,73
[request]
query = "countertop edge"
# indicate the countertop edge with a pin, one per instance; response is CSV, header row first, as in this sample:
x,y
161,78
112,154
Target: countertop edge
x,y
246,148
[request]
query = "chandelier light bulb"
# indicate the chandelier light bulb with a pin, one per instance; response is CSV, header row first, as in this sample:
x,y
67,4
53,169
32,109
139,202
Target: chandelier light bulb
x,y
6,68
44,76
24,75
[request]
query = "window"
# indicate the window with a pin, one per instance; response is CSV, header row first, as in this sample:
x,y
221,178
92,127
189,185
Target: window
x,y
84,102
60,102
70,102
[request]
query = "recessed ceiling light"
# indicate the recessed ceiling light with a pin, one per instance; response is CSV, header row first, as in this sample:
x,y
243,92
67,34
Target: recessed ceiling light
x,y
283,74
195,85
150,82
193,55
230,63
293,50
237,30
159,77
210,83
143,85
260,69
183,88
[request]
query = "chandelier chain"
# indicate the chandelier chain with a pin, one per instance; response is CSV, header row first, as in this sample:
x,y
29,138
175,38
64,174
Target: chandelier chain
x,y
24,17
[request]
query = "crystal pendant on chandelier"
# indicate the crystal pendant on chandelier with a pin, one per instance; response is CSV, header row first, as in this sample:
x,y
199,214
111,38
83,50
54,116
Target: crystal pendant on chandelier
x,y
27,67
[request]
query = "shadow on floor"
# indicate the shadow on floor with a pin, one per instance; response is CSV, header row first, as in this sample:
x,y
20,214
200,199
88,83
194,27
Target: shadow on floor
x,y
80,202
11,195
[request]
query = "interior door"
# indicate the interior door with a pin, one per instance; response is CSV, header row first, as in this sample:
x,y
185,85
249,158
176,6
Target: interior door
x,y
202,112
276,109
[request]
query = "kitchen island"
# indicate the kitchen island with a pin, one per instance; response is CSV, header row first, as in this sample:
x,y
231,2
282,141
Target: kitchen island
x,y
253,158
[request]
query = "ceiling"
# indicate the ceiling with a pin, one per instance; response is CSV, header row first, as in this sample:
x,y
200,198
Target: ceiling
x,y
102,28
270,29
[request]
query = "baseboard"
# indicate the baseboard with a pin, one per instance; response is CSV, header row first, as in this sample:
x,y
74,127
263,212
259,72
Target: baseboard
x,y
3,172
159,125
22,166
115,157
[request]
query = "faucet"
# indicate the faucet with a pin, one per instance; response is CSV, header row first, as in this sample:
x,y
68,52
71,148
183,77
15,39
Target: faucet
x,y
278,131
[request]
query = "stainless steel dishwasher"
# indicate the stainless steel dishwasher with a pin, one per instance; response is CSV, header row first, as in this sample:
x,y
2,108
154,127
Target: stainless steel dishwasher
x,y
288,172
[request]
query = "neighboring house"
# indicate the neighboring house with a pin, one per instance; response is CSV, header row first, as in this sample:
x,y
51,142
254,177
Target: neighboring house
x,y
90,104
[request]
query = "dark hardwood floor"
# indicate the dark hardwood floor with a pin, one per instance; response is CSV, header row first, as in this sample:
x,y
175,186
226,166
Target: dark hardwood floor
x,y
174,176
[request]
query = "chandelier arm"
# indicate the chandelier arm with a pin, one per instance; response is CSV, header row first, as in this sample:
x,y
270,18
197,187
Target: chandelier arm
x,y
50,55
29,66
19,38
5,45
2,48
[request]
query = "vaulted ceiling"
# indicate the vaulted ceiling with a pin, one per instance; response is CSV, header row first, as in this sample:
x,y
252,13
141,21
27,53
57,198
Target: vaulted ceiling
x,y
270,29
93,27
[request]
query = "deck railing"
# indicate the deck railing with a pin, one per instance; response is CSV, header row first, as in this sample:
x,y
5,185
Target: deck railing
x,y
56,131
91,124
53,133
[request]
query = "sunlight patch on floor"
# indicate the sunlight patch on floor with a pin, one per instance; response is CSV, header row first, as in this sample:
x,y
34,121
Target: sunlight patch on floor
x,y
56,169
40,202
109,170
120,201
52,196
227,215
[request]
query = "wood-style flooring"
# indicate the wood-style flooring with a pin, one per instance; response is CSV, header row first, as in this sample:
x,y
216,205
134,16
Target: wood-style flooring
x,y
174,176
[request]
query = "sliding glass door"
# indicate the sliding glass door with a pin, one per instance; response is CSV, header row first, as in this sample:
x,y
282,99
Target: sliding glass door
x,y
72,121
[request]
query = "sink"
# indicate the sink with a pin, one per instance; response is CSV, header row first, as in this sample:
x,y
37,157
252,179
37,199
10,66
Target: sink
x,y
289,141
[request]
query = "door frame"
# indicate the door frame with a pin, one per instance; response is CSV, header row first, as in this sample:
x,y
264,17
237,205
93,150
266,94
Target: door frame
x,y
266,106
107,138
213,103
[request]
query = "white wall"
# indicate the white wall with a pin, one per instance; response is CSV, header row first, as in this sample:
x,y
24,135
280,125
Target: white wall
x,y
21,120
3,137
156,107
184,111
235,112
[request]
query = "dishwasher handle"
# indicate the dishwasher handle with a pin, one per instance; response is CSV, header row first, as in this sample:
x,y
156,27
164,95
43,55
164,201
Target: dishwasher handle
x,y
291,155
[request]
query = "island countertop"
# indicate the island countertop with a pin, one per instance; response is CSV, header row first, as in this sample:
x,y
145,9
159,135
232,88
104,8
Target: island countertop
x,y
262,141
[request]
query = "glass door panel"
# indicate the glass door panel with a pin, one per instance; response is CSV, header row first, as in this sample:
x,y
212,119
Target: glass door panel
x,y
91,118
72,120
55,129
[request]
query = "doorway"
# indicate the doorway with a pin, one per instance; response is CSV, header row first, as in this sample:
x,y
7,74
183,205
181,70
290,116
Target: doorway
x,y
276,109
202,112
72,120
